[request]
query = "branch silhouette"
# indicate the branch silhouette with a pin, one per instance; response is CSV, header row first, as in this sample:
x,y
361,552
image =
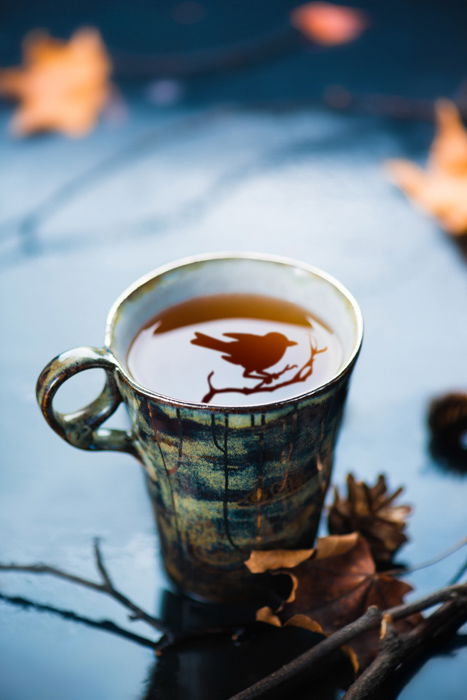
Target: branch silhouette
x,y
398,651
445,620
104,586
284,40
106,625
164,643
300,375
169,638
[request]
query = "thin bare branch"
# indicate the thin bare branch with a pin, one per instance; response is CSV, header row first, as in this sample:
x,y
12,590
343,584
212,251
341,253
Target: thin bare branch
x,y
400,650
105,625
429,562
40,568
439,596
105,587
249,52
101,566
300,375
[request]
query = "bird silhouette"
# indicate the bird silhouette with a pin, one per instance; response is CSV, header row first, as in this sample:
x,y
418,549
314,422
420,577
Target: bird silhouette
x,y
255,353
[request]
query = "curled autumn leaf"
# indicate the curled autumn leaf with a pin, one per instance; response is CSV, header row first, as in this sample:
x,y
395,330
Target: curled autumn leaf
x,y
335,585
441,189
62,86
371,511
328,24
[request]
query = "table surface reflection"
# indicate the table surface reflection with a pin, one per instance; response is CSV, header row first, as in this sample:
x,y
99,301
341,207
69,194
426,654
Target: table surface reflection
x,y
81,219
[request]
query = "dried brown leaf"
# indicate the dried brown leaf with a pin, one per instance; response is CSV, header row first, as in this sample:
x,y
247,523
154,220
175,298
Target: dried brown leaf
x,y
441,189
261,561
265,614
334,590
307,623
335,545
303,621
62,86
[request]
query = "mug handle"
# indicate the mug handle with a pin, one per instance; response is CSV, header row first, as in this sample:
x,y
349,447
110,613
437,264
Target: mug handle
x,y
81,428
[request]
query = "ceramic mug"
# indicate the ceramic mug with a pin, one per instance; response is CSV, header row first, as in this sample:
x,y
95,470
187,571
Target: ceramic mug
x,y
223,480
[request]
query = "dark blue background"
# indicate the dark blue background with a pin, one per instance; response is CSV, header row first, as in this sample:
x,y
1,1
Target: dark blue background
x,y
81,219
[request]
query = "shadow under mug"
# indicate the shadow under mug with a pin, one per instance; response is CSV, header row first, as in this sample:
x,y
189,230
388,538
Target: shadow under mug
x,y
223,480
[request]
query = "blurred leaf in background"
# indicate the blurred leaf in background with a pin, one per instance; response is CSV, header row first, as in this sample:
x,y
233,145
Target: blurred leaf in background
x,y
441,189
328,24
62,86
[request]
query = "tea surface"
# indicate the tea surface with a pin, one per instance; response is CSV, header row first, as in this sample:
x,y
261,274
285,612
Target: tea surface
x,y
234,350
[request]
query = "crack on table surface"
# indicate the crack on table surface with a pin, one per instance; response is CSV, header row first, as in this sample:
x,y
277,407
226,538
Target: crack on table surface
x,y
26,226
28,229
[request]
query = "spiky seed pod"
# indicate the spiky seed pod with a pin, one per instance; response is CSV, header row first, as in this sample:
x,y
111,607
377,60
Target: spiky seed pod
x,y
447,420
370,510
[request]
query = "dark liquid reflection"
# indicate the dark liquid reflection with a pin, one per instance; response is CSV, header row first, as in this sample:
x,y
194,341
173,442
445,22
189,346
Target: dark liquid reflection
x,y
216,667
226,347
256,353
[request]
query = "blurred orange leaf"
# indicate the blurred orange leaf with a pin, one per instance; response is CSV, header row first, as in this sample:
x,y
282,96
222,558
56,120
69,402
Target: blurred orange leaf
x,y
62,86
441,189
332,586
328,24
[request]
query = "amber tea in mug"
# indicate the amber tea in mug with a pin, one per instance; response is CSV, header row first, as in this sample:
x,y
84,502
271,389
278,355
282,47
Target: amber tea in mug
x,y
234,349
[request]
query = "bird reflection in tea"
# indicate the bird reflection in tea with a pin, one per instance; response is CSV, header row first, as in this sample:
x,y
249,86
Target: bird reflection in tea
x,y
234,349
255,353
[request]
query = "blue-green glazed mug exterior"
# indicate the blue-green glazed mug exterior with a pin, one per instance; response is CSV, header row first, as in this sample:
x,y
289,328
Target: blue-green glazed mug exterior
x,y
223,480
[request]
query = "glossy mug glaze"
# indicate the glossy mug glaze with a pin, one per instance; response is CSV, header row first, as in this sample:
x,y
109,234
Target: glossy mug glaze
x,y
223,480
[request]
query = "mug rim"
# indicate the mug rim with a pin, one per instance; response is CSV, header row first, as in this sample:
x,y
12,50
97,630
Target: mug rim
x,y
234,255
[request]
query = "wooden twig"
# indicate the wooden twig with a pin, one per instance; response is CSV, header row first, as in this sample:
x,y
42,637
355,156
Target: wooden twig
x,y
243,54
100,564
371,619
52,571
104,586
400,650
390,654
341,99
401,571
310,658
392,106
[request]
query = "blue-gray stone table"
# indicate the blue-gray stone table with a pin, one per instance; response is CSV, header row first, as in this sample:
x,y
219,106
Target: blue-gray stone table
x,y
80,220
